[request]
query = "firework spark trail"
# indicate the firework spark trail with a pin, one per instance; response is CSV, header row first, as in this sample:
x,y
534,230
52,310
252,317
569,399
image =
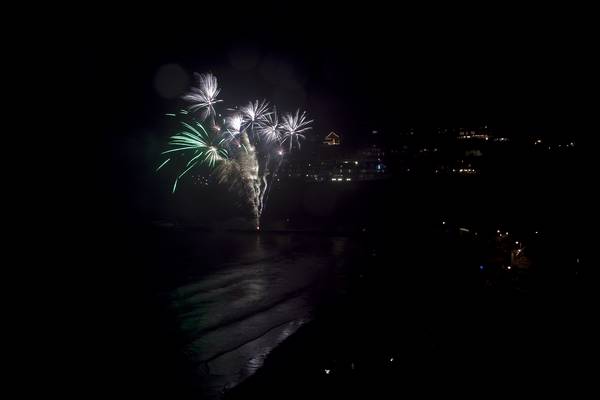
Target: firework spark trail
x,y
273,174
263,190
264,184
249,171
238,151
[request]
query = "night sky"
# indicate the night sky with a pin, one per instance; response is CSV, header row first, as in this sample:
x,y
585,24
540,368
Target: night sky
x,y
352,69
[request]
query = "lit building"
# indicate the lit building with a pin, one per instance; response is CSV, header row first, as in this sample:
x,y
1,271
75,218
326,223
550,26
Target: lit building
x,y
333,139
481,133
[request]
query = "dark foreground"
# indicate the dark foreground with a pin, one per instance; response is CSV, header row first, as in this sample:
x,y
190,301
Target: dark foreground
x,y
422,317
385,287
282,315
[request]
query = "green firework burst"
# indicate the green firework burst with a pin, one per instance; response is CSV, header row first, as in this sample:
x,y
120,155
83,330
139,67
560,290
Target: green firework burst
x,y
196,146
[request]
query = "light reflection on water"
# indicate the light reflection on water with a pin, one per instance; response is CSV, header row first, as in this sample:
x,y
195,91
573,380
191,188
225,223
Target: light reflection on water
x,y
261,353
235,316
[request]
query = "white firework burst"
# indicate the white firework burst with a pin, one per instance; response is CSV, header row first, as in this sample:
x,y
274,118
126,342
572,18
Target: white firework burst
x,y
269,128
254,113
293,126
204,96
233,125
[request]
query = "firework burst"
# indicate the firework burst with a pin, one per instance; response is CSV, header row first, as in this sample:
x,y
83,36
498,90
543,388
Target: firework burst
x,y
254,113
195,144
293,126
233,125
270,129
243,152
204,96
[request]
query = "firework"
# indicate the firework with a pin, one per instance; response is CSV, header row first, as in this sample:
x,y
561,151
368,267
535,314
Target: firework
x,y
204,96
293,126
254,113
270,129
244,152
195,143
233,125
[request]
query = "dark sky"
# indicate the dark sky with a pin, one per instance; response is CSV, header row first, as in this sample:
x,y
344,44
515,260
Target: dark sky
x,y
352,69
